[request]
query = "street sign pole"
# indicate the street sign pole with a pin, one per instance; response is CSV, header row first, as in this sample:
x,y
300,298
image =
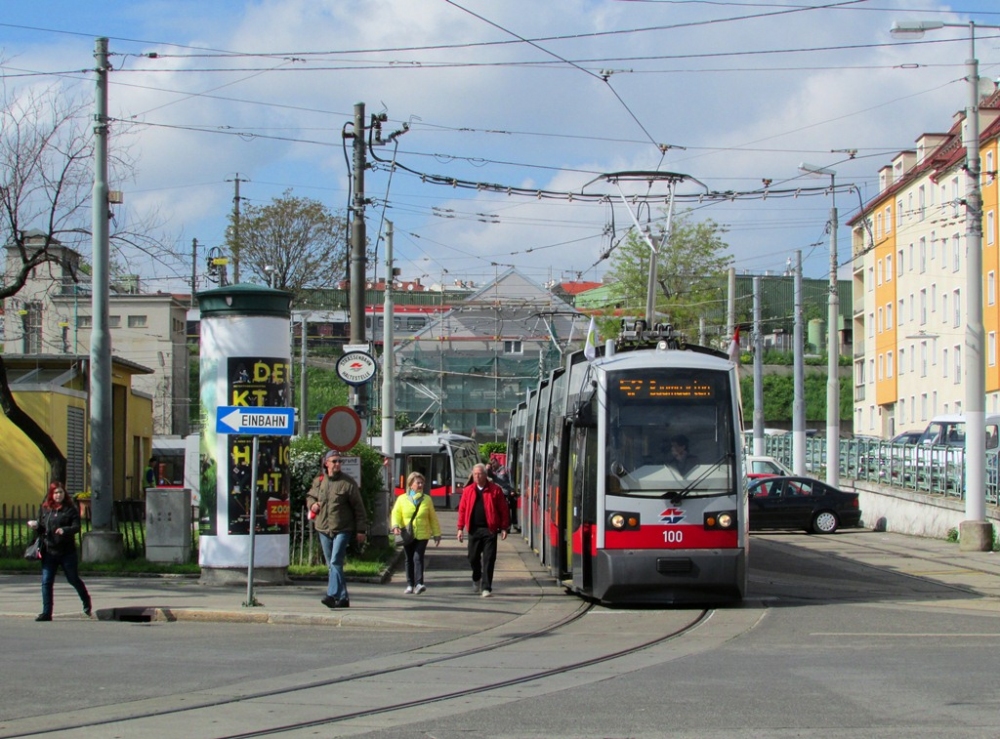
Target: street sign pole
x,y
251,600
255,421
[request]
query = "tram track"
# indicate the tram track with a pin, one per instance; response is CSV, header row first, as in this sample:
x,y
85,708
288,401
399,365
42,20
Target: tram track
x,y
540,651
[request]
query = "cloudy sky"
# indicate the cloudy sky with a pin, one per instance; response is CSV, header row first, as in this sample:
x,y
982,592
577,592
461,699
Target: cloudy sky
x,y
531,95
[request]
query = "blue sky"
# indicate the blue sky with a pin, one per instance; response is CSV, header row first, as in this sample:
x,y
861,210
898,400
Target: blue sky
x,y
516,93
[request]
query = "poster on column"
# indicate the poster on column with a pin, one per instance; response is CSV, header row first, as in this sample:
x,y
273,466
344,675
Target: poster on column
x,y
258,382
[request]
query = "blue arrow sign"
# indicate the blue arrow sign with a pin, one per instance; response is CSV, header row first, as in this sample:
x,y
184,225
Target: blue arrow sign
x,y
241,419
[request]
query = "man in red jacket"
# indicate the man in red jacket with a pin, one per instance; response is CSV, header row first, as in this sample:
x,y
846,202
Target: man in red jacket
x,y
484,513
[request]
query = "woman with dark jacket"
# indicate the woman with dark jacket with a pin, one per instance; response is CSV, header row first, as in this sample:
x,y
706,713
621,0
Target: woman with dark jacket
x,y
57,525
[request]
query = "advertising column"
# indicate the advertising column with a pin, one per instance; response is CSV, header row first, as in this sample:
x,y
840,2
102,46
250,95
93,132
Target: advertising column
x,y
245,362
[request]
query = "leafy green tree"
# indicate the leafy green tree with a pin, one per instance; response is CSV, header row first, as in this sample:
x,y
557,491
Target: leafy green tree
x,y
291,243
690,271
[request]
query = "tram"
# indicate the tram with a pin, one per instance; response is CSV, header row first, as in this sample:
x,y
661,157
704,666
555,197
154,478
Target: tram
x,y
443,458
609,501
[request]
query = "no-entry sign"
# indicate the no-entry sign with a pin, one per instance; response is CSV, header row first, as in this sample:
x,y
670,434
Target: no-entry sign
x,y
341,428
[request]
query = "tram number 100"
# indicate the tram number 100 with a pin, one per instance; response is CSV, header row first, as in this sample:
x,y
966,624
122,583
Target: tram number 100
x,y
673,536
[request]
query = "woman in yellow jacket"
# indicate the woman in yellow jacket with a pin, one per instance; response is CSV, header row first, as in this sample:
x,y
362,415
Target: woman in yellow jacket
x,y
425,528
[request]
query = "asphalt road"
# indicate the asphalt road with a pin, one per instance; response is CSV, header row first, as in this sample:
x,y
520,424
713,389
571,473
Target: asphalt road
x,y
852,635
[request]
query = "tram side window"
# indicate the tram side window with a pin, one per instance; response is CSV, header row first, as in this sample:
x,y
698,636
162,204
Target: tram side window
x,y
583,458
420,463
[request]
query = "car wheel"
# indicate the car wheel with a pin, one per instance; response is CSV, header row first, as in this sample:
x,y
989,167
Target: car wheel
x,y
825,522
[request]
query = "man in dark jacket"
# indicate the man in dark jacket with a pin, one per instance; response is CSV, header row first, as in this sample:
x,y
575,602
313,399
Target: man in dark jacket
x,y
335,501
484,513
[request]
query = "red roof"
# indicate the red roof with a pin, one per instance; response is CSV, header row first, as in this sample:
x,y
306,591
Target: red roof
x,y
575,288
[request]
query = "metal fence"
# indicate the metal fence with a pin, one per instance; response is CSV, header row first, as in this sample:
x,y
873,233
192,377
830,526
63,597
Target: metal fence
x,y
932,470
128,517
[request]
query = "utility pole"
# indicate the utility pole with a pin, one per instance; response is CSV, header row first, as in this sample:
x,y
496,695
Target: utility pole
x,y
103,543
758,373
799,393
236,228
357,268
194,272
388,385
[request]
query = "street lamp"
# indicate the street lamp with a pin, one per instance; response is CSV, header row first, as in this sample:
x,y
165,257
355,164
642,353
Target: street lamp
x,y
833,339
975,533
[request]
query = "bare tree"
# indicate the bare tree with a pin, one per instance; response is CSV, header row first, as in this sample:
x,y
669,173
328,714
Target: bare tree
x,y
46,183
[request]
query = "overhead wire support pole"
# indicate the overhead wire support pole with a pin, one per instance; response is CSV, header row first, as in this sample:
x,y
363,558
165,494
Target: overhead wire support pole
x,y
975,533
103,543
357,258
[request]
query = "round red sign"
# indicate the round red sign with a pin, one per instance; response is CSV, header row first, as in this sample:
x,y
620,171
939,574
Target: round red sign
x,y
341,428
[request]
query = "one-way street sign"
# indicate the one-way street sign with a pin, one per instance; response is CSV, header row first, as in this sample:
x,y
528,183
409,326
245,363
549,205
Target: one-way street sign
x,y
240,419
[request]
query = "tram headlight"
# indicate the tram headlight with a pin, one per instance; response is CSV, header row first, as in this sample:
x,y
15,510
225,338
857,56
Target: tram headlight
x,y
720,520
621,521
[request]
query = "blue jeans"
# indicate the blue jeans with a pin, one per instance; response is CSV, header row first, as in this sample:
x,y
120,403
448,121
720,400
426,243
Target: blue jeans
x,y
335,552
50,564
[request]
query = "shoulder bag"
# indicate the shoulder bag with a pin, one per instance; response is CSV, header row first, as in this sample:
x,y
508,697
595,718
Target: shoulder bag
x,y
34,551
406,533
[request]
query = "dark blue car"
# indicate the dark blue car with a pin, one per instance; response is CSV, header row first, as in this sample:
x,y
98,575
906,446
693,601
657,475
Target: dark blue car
x,y
794,503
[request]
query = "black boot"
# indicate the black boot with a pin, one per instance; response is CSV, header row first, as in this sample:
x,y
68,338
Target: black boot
x,y
43,617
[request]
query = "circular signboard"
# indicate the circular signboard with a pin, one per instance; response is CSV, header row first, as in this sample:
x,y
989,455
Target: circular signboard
x,y
356,368
341,428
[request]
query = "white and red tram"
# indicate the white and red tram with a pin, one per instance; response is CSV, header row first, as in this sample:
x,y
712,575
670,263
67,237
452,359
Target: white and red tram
x,y
604,504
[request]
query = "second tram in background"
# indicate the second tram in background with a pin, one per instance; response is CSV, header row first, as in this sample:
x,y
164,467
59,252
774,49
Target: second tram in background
x,y
630,471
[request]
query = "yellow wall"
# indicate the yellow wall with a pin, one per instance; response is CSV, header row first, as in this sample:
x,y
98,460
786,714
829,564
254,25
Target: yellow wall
x,y
25,473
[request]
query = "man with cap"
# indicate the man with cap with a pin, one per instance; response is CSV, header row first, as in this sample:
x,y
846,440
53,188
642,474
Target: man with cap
x,y
335,501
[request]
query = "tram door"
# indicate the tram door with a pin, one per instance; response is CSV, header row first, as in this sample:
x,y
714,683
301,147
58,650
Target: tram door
x,y
582,489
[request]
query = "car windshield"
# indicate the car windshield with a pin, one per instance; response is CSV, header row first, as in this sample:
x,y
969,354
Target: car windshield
x,y
674,442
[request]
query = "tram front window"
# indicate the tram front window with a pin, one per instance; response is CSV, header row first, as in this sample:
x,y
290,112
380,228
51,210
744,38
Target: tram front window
x,y
669,432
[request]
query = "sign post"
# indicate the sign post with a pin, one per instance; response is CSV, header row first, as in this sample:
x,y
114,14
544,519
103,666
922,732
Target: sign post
x,y
256,422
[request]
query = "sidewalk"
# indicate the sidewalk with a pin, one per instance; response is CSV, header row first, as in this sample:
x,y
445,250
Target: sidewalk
x,y
520,582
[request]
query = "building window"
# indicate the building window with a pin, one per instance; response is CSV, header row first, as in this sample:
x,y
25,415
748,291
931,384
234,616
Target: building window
x,y
991,288
956,253
137,321
923,254
958,309
888,365
513,347
888,267
923,359
923,307
888,220
900,316
921,202
991,348
888,316
899,212
958,364
990,228
114,321
84,322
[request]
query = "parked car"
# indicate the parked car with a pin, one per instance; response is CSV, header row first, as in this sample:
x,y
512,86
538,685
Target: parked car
x,y
793,503
907,437
760,466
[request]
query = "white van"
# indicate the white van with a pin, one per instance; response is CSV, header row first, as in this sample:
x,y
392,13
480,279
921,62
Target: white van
x,y
941,447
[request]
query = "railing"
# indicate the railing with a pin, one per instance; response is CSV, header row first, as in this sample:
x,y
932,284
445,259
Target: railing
x,y
129,519
932,470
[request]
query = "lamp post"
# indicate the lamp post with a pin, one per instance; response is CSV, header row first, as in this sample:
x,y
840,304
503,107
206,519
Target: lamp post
x,y
833,339
975,533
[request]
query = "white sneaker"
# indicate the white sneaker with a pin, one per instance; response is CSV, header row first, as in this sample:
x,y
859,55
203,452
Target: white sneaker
x,y
487,593
409,590
419,589
477,586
